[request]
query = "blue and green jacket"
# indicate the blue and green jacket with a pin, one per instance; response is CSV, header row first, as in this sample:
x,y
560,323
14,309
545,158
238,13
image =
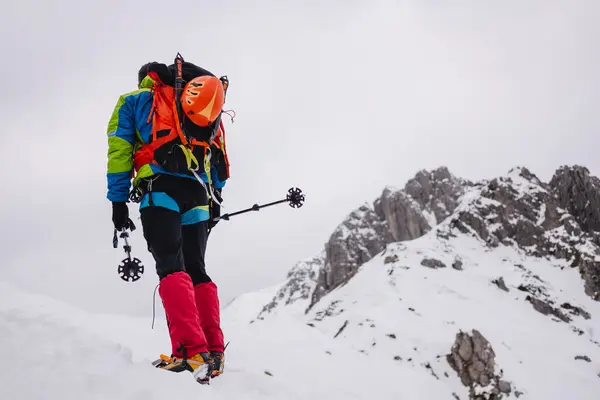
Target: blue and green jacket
x,y
129,129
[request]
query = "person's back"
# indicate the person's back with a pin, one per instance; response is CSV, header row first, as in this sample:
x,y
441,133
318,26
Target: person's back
x,y
131,127
164,136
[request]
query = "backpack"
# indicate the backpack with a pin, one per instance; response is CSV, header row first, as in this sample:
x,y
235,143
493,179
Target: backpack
x,y
177,144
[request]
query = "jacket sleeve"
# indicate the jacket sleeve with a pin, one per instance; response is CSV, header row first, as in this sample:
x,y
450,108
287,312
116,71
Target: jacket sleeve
x,y
121,139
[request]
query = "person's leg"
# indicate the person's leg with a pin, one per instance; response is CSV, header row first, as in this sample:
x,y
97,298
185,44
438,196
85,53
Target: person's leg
x,y
195,237
162,231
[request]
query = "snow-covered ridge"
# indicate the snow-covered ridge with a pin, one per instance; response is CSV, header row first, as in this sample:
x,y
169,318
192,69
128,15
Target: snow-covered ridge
x,y
519,210
410,302
297,290
397,215
515,210
446,273
54,351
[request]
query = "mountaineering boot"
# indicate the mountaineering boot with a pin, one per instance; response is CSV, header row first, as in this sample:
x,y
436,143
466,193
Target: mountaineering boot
x,y
162,361
218,363
209,315
177,293
200,365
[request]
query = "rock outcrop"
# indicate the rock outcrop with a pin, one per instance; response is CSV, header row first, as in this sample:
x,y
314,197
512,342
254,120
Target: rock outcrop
x,y
300,284
559,220
473,359
522,211
355,241
398,215
579,193
425,201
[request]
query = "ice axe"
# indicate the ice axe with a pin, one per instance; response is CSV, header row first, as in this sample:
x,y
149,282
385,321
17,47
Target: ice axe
x,y
295,198
131,268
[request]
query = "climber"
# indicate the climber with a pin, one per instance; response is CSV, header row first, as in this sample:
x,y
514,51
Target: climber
x,y
168,136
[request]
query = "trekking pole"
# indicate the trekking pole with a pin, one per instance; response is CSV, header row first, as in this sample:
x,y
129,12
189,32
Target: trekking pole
x,y
131,268
295,198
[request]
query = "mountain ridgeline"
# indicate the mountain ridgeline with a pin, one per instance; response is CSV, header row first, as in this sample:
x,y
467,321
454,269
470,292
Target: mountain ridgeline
x,y
559,219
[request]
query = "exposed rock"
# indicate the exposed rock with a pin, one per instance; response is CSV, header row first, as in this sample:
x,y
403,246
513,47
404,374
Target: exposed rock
x,y
301,282
473,359
520,210
545,308
341,329
355,241
457,264
331,310
390,259
500,283
590,272
529,288
397,215
427,199
574,310
402,214
437,191
579,193
584,358
431,371
504,386
558,221
432,263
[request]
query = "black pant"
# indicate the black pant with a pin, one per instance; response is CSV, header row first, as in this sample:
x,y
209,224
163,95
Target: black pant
x,y
176,247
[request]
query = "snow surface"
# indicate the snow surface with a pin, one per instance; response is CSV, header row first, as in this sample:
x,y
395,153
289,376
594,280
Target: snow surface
x,y
384,334
57,351
395,309
425,308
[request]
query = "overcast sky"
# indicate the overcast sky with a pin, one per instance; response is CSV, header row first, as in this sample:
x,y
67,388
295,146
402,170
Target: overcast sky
x,y
340,98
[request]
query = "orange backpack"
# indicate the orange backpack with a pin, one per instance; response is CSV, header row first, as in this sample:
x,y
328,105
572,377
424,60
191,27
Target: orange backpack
x,y
177,144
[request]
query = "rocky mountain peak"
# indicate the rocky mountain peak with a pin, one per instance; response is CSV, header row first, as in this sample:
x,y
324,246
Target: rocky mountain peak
x,y
427,199
443,257
519,210
579,193
558,220
355,241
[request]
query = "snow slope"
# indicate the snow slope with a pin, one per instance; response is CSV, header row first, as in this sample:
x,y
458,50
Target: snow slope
x,y
404,310
57,351
408,303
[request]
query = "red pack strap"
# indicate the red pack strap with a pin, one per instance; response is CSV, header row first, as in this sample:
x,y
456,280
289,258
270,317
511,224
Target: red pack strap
x,y
145,154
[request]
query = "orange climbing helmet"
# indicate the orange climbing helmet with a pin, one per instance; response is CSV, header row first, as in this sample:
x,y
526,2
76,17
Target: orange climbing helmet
x,y
202,99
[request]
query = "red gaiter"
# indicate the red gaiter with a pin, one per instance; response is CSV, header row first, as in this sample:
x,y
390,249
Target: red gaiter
x,y
177,293
209,314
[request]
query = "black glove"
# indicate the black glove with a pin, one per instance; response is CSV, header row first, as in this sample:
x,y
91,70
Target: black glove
x,y
120,216
215,209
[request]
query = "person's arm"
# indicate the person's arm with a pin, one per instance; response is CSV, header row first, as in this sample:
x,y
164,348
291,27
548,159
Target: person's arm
x,y
121,139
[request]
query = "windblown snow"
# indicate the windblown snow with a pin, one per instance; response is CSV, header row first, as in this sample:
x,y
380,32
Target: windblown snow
x,y
386,333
